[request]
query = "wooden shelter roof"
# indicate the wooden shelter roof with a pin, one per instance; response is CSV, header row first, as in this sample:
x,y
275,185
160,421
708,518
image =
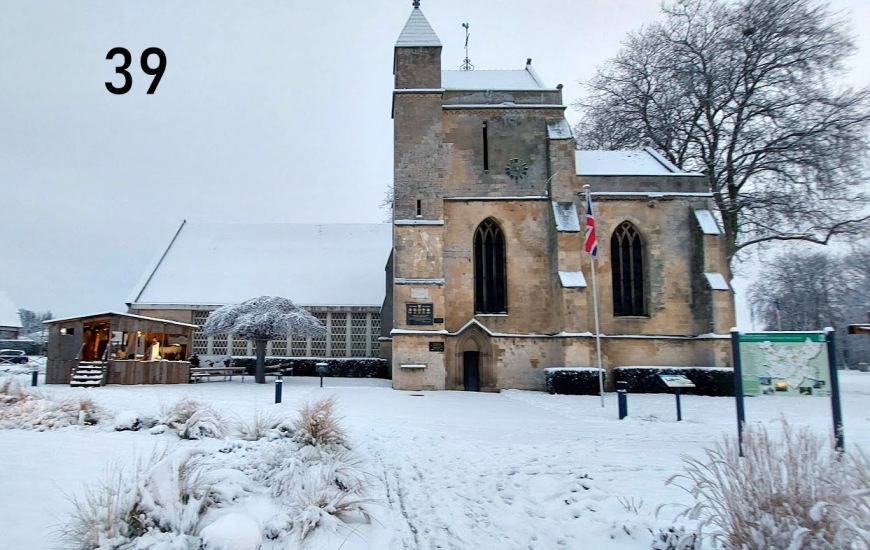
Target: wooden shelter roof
x,y
116,314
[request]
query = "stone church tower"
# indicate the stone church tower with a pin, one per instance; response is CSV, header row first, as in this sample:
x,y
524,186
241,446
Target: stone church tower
x,y
487,283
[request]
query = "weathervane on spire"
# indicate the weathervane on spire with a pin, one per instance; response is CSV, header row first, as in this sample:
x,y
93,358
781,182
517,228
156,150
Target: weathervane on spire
x,y
466,64
416,4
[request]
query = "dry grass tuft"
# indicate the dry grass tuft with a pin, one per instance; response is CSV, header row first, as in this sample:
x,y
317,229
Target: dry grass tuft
x,y
271,424
792,493
319,424
11,392
191,419
160,495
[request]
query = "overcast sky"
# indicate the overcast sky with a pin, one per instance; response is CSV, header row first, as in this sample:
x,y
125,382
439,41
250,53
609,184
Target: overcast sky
x,y
269,111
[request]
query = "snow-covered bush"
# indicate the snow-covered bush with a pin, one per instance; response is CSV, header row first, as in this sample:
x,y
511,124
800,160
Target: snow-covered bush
x,y
713,381
11,391
191,419
264,424
675,538
319,424
572,380
793,493
132,421
159,501
21,409
321,501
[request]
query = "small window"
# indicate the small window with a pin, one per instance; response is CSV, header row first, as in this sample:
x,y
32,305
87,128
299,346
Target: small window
x,y
485,147
419,208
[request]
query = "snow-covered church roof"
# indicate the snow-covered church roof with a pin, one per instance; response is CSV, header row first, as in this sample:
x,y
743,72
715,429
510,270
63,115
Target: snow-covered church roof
x,y
644,162
311,264
507,80
8,312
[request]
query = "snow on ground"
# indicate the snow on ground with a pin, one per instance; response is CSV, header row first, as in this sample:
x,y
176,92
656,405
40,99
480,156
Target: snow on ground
x,y
451,470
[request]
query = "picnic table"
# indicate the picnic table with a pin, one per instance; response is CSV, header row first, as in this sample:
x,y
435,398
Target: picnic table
x,y
198,374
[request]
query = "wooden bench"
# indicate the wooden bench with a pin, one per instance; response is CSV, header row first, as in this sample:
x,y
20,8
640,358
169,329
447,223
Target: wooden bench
x,y
198,374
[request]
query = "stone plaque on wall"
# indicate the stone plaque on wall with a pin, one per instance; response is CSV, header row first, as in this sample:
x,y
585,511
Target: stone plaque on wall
x,y
420,293
419,314
436,346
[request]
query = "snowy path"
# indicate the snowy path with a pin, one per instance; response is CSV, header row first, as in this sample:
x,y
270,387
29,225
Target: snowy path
x,y
453,470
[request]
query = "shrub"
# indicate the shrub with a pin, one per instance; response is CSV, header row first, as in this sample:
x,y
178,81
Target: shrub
x,y
160,500
191,419
319,424
353,367
572,380
272,424
714,381
20,409
793,493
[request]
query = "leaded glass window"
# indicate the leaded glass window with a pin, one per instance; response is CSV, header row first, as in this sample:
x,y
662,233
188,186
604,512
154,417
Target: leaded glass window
x,y
338,329
318,344
240,346
490,284
358,334
376,333
279,347
626,258
219,344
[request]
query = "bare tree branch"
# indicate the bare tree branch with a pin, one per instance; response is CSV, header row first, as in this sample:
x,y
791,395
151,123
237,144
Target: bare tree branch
x,y
745,92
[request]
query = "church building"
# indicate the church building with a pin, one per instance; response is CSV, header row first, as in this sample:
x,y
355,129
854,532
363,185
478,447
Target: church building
x,y
490,281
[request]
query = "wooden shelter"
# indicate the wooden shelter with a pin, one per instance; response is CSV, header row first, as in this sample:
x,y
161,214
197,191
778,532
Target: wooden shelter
x,y
110,348
861,328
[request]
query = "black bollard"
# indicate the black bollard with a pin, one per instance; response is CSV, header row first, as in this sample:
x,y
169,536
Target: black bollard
x,y
622,398
679,410
34,377
278,384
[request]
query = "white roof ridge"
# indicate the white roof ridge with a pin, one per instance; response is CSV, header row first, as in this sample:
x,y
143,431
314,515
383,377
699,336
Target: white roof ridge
x,y
417,32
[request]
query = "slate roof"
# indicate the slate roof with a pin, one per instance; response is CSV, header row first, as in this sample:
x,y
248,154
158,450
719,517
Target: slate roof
x,y
508,80
8,312
644,162
417,32
311,264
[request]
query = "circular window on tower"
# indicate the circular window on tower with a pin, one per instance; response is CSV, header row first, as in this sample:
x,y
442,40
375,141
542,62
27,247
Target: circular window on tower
x,y
516,169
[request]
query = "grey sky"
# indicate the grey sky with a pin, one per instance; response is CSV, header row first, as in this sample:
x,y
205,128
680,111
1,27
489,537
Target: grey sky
x,y
268,111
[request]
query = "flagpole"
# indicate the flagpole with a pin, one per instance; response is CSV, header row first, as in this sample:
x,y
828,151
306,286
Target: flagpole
x,y
595,309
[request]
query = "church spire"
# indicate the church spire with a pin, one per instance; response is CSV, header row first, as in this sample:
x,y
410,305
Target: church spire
x,y
417,31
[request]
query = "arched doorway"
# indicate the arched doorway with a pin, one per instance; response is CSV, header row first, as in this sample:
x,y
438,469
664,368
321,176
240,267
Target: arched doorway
x,y
471,366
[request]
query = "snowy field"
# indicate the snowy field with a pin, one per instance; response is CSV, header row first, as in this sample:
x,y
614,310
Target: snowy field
x,y
449,470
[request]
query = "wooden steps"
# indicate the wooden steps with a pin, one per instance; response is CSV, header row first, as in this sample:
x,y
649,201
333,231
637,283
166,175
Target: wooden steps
x,y
88,374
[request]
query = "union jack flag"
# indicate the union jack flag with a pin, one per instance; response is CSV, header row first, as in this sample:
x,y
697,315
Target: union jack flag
x,y
591,242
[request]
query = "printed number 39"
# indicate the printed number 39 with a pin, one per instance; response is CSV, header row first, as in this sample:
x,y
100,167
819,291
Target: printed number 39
x,y
156,72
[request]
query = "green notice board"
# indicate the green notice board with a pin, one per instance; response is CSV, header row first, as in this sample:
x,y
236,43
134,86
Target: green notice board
x,y
785,363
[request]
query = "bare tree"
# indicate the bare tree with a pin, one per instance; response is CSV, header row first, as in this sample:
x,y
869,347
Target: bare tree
x,y
814,290
745,92
261,320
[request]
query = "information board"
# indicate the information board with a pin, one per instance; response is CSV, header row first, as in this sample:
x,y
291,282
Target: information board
x,y
785,363
676,381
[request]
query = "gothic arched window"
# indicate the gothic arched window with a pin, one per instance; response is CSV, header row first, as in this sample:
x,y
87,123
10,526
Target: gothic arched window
x,y
490,283
626,259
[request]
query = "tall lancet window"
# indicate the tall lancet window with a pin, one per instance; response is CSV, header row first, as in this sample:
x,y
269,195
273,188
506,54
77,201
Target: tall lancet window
x,y
490,278
626,258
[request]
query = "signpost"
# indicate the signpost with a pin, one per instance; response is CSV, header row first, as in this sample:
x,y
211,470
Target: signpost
x,y
677,381
800,364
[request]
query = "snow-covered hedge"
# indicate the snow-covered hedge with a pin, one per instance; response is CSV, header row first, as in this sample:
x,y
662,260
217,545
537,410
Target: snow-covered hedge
x,y
352,367
29,347
572,380
715,381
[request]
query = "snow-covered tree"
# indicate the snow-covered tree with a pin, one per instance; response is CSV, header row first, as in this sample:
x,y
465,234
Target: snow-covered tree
x,y
261,320
749,93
